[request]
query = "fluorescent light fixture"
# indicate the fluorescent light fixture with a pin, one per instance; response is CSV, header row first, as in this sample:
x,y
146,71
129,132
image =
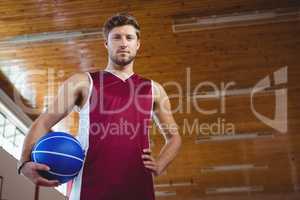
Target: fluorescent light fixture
x,y
226,168
179,184
165,193
243,136
236,20
52,36
231,92
238,189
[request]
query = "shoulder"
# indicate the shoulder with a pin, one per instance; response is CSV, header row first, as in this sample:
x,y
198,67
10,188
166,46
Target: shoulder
x,y
80,76
78,80
77,84
157,85
157,88
158,91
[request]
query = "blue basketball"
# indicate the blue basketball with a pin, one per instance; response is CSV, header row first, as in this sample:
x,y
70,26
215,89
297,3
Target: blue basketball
x,y
62,153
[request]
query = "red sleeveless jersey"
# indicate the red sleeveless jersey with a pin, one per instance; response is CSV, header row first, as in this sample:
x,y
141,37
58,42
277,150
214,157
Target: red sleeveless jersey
x,y
114,130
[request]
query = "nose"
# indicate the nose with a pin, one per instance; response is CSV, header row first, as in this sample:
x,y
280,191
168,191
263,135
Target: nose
x,y
124,42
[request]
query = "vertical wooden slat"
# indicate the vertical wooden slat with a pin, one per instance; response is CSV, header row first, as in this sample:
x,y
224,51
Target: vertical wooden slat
x,y
36,192
1,186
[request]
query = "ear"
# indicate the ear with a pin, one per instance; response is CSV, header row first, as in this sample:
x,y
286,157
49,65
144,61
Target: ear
x,y
105,43
138,44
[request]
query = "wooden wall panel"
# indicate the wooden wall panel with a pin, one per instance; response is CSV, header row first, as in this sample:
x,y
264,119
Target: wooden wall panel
x,y
243,55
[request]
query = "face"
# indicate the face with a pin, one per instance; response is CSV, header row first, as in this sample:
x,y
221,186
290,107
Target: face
x,y
122,44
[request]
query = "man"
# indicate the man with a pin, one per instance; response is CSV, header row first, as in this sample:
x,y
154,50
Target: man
x,y
115,108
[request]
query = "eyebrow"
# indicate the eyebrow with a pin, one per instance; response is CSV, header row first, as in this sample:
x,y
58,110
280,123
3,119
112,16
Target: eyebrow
x,y
114,34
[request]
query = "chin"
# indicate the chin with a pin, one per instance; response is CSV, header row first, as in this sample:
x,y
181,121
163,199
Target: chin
x,y
122,61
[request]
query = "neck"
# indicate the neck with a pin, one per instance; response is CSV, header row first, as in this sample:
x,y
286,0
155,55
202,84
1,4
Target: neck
x,y
127,69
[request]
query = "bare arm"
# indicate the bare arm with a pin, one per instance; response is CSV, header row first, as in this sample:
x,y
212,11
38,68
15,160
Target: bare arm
x,y
165,120
72,92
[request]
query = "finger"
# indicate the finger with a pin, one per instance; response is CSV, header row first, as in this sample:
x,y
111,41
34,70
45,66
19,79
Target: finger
x,y
44,182
148,151
149,163
148,157
42,167
150,167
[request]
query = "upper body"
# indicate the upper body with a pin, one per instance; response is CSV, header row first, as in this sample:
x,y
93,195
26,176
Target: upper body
x,y
114,126
122,43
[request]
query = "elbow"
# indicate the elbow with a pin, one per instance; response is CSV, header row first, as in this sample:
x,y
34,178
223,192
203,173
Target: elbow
x,y
176,140
179,140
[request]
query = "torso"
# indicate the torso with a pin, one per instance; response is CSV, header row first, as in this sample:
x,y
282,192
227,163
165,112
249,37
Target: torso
x,y
117,114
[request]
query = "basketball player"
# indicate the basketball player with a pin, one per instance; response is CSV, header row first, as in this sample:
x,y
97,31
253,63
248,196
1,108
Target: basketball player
x,y
115,107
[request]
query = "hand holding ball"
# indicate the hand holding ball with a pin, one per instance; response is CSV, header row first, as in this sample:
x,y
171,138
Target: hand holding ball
x,y
62,153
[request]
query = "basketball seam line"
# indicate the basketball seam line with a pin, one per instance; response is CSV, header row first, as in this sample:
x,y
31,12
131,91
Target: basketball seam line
x,y
58,137
58,174
57,153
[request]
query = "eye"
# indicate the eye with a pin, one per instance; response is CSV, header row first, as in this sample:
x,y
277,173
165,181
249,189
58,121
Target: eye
x,y
130,37
116,37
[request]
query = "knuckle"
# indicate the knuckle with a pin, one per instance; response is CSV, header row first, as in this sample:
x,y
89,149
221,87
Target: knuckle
x,y
34,166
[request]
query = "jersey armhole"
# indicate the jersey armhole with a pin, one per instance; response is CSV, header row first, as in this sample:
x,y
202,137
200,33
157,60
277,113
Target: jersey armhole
x,y
153,96
77,108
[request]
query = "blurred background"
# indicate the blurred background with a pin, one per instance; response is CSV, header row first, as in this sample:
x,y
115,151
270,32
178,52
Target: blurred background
x,y
231,69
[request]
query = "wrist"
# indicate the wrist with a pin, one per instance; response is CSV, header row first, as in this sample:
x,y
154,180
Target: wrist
x,y
160,167
21,165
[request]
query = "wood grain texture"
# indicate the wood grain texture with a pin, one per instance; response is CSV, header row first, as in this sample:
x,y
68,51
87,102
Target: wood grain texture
x,y
242,55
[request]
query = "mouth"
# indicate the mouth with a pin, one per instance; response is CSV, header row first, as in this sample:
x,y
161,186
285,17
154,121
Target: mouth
x,y
122,52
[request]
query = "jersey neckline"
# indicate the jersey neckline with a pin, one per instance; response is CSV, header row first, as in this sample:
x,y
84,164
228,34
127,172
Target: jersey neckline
x,y
118,77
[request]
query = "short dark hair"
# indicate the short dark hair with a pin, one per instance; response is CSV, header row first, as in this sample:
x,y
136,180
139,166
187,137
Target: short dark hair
x,y
120,19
